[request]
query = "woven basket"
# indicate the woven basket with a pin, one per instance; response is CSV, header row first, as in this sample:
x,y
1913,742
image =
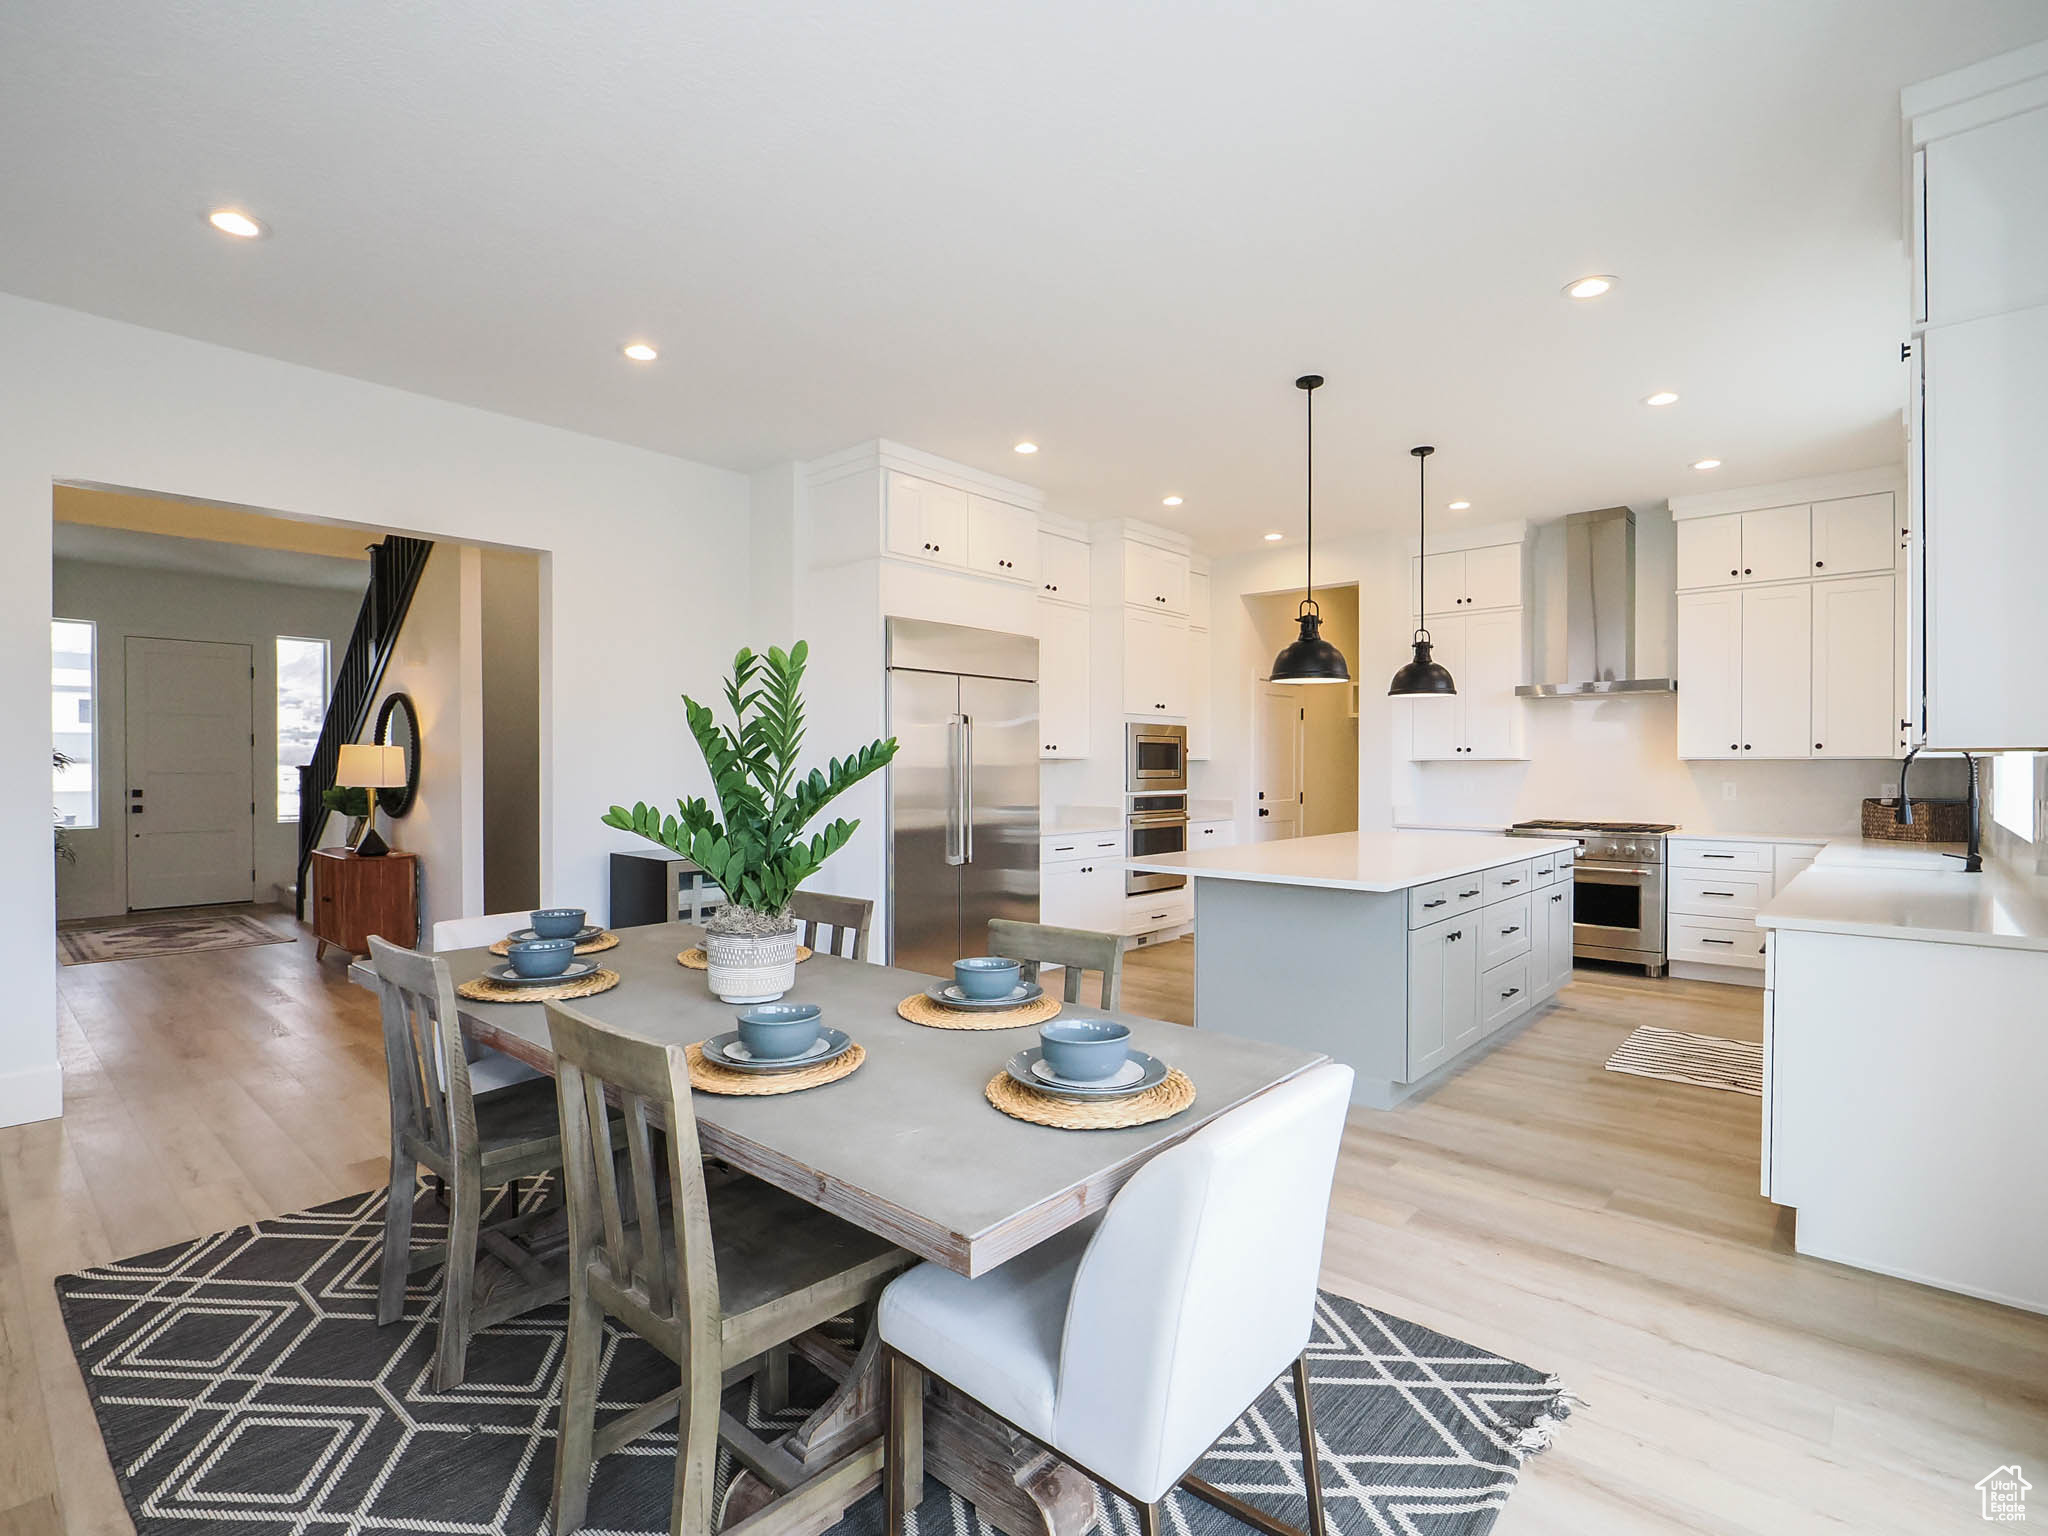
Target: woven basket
x,y
1934,821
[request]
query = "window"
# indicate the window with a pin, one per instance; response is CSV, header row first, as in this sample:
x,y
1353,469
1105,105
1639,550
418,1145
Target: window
x,y
2012,792
301,706
72,679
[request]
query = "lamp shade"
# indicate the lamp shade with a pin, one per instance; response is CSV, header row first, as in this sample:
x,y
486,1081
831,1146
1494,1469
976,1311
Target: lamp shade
x,y
370,767
1310,658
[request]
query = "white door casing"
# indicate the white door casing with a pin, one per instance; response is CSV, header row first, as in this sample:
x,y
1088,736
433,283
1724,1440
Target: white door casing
x,y
191,800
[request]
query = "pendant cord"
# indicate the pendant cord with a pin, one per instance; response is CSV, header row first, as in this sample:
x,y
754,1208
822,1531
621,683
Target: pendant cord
x,y
1308,589
1422,543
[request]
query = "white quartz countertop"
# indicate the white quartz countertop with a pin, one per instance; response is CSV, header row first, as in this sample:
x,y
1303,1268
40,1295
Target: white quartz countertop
x,y
1998,908
1355,861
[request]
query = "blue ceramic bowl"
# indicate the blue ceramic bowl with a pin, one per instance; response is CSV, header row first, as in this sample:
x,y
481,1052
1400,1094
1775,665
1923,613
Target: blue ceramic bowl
x,y
986,977
541,957
777,1031
1084,1050
557,922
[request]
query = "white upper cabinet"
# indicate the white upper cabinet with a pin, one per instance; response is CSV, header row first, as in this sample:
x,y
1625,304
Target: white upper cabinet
x,y
1777,544
1201,710
1465,580
1062,569
1854,535
925,520
1198,599
1985,247
1483,720
1063,673
1709,673
1710,552
1002,540
1155,579
1855,694
1156,665
1777,673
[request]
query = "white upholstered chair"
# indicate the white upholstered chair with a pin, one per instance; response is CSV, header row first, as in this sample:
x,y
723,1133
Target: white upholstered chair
x,y
1129,1343
488,1069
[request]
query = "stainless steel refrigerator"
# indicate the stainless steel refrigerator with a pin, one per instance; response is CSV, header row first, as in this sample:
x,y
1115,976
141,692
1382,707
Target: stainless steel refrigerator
x,y
963,789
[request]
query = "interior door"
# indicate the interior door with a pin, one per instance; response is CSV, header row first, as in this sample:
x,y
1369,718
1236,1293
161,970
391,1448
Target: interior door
x,y
1777,672
927,830
1278,764
191,796
1000,877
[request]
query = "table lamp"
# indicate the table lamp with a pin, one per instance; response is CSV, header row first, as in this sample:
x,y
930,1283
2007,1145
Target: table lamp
x,y
372,768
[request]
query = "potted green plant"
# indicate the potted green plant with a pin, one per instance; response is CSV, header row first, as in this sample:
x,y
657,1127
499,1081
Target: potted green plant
x,y
754,845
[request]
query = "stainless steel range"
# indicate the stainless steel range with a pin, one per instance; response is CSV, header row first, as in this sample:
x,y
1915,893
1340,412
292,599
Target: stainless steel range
x,y
1617,888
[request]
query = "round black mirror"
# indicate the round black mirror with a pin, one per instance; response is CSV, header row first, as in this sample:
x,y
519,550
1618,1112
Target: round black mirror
x,y
398,725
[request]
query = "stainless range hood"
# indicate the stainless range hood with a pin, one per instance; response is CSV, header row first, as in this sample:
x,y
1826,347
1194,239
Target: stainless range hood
x,y
1600,611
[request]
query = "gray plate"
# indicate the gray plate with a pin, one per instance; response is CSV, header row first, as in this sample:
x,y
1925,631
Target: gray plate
x,y
1027,1067
583,935
947,994
830,1046
505,976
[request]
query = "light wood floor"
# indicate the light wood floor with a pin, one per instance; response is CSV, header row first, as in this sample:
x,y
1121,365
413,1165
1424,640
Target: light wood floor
x,y
1600,1226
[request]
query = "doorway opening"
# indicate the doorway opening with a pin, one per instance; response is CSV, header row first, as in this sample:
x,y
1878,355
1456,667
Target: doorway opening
x,y
1304,738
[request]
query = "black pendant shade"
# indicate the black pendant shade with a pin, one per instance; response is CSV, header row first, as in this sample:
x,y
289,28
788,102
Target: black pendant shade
x,y
1310,658
1423,676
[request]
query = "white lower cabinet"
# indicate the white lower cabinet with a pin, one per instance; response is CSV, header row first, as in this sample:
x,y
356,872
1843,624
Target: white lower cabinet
x,y
1473,968
1555,928
1154,910
1443,991
1081,882
1211,834
1503,994
1504,927
1717,888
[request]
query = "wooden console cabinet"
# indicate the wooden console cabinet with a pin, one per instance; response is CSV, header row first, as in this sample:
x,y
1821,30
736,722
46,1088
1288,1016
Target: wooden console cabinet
x,y
354,897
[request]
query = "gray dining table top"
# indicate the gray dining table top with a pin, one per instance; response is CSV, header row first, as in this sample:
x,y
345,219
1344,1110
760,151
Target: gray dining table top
x,y
907,1146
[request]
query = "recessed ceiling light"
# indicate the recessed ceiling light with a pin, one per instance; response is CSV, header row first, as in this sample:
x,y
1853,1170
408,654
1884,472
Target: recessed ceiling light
x,y
1275,538
1706,463
1171,501
1592,286
232,221
1662,397
640,351
1027,447
1460,506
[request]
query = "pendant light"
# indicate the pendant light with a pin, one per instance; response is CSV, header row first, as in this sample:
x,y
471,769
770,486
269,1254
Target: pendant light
x,y
1310,658
1422,677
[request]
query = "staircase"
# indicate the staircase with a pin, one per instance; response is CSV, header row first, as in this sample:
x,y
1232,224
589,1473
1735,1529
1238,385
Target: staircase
x,y
395,567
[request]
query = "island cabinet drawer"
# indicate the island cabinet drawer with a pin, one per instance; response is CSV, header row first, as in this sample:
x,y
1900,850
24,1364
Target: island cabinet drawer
x,y
1503,930
1508,880
1698,853
1718,894
1080,847
1503,993
1544,871
1440,899
1715,941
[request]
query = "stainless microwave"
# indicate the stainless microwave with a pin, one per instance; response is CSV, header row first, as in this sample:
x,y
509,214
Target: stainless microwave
x,y
1155,757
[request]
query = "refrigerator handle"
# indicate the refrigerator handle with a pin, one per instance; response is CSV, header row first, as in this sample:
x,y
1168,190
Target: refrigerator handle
x,y
956,834
967,789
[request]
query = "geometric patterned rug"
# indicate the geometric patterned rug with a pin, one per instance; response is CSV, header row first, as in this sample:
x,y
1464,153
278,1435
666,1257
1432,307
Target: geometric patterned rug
x,y
241,1383
1704,1061
164,936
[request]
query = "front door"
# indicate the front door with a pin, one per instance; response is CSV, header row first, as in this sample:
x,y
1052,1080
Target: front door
x,y
191,797
1277,783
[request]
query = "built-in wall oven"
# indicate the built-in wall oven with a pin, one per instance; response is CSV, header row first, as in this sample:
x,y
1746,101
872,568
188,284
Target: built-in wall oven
x,y
1617,888
1154,825
1155,757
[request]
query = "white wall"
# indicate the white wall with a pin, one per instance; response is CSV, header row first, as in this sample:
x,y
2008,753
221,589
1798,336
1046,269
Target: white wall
x,y
176,605
645,592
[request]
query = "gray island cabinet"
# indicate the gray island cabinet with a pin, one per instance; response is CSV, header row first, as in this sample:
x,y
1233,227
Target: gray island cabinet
x,y
1397,953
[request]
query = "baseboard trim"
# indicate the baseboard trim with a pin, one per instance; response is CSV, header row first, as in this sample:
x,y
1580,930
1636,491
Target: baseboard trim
x,y
36,1093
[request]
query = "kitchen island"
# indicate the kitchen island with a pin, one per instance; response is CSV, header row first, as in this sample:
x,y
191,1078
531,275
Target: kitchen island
x,y
1399,953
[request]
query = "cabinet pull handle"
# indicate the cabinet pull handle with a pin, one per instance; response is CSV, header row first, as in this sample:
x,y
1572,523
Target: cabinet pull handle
x,y
1458,935
1437,903
1717,893
1558,897
1820,565
1516,928
1717,855
1506,883
1463,894
1717,941
1511,991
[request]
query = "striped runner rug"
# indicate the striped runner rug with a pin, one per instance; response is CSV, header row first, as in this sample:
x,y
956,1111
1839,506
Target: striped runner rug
x,y
1705,1061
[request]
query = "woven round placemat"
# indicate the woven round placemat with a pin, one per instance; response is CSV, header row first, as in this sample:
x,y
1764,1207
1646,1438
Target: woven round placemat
x,y
482,989
597,946
920,1009
1162,1102
710,1078
694,957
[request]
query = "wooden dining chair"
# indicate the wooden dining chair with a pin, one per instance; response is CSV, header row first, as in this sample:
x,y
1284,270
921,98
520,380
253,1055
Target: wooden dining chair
x,y
470,1143
1074,949
489,1070
733,1269
847,916
1129,1345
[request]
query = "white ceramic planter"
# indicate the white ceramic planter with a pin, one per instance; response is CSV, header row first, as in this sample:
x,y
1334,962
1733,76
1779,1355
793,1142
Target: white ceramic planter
x,y
746,969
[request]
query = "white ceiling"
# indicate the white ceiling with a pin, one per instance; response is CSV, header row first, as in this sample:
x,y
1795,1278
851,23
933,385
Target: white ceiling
x,y
207,557
1118,229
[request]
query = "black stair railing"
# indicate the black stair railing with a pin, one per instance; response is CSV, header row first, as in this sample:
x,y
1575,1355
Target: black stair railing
x,y
395,567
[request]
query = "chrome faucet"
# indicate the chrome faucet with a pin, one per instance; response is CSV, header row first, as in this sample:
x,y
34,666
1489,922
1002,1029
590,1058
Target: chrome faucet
x,y
1973,859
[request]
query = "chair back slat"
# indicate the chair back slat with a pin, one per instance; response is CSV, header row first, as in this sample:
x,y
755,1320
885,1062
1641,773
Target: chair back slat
x,y
652,1084
1073,949
424,1062
848,918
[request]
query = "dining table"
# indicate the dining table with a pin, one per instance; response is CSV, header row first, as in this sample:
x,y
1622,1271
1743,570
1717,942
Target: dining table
x,y
908,1147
